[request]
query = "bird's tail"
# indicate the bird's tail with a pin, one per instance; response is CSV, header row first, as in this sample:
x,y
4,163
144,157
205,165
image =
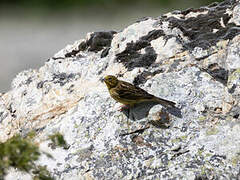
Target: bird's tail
x,y
164,102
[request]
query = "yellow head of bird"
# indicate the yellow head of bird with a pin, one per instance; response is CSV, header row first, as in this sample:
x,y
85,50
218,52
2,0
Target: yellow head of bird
x,y
111,81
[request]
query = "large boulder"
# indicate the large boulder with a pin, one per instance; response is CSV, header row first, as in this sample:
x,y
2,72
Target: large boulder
x,y
191,57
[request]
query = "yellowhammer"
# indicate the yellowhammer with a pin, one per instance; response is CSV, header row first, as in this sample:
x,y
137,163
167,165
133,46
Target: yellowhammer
x,y
129,94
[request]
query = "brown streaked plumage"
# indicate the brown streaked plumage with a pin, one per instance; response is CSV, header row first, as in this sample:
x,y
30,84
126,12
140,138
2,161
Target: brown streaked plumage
x,y
129,94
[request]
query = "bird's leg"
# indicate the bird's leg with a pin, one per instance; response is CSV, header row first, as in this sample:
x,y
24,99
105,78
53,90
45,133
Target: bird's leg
x,y
124,107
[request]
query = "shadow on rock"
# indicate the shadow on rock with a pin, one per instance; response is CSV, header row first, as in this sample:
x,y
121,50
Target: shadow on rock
x,y
141,110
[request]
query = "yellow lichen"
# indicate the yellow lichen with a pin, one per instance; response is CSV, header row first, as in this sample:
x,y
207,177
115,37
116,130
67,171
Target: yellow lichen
x,y
212,131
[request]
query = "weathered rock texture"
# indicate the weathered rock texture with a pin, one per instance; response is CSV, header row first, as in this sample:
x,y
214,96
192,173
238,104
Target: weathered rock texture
x,y
191,57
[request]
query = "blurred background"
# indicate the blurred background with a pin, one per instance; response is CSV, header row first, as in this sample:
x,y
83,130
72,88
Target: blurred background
x,y
31,31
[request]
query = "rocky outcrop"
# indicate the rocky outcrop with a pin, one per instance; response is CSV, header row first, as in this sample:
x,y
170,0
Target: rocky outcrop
x,y
191,57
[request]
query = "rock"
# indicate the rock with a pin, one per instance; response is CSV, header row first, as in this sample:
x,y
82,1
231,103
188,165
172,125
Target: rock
x,y
190,57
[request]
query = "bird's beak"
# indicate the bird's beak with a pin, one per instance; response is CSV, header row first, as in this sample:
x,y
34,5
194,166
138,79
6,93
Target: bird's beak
x,y
102,79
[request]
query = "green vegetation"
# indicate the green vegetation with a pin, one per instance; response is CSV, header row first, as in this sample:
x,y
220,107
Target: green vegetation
x,y
21,153
58,4
58,140
42,174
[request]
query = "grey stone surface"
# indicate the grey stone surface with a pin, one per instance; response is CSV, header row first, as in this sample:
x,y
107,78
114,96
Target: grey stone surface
x,y
190,57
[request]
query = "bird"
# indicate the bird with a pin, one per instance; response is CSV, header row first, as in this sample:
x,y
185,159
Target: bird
x,y
129,94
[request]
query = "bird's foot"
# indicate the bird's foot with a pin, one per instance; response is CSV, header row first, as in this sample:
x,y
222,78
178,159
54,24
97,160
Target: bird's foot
x,y
124,107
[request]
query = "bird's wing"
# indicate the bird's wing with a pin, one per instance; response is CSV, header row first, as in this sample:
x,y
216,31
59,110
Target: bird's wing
x,y
128,91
